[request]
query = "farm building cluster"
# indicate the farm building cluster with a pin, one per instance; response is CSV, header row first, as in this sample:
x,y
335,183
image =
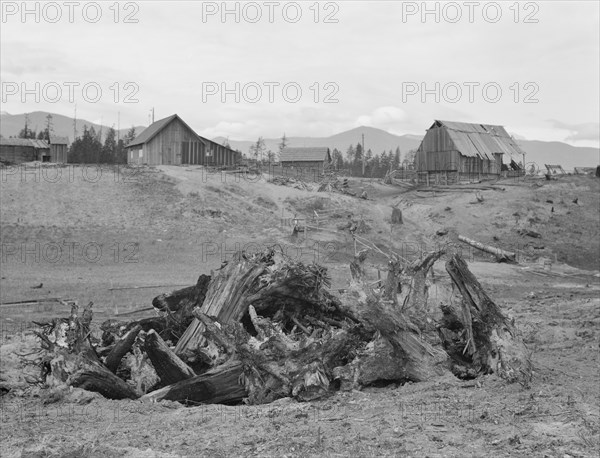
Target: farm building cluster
x,y
19,150
450,149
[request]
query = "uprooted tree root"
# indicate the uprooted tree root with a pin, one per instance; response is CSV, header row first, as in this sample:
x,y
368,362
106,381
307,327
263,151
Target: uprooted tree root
x,y
265,327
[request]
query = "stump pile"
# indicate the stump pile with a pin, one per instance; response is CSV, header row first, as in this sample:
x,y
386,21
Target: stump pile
x,y
265,327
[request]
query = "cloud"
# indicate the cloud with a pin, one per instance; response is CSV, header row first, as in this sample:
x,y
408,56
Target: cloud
x,y
383,117
578,132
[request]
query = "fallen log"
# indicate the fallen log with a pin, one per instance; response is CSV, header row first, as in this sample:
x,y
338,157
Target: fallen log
x,y
113,359
501,255
220,385
168,366
92,376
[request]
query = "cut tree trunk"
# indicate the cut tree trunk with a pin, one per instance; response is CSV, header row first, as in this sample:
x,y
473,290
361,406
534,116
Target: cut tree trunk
x,y
92,376
169,367
421,360
220,385
490,340
417,305
113,359
501,255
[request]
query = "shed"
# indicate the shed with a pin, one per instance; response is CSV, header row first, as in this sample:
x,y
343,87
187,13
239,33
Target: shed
x,y
315,159
467,148
172,141
58,149
19,150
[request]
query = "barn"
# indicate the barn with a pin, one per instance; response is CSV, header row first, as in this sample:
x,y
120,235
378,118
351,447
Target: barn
x,y
19,150
172,141
58,149
469,149
305,160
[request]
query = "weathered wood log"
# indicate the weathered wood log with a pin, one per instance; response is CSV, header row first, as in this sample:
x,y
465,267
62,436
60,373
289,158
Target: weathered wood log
x,y
226,297
169,367
416,304
220,385
92,376
113,359
491,340
357,268
501,255
396,216
266,281
71,360
390,289
421,360
183,300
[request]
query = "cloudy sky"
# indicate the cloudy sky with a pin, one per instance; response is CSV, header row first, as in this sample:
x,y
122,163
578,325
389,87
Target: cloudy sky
x,y
248,69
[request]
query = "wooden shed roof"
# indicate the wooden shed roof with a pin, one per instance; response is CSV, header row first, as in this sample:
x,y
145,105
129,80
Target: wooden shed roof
x,y
40,144
480,140
305,154
154,129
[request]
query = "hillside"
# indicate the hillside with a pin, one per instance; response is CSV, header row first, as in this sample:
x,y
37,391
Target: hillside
x,y
121,240
376,140
11,125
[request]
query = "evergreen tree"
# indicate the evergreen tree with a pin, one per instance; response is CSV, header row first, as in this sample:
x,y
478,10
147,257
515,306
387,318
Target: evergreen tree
x,y
396,161
337,159
257,149
129,136
282,144
350,155
86,149
109,150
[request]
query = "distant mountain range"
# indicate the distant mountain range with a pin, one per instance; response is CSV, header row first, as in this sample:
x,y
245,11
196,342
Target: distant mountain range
x,y
377,140
62,126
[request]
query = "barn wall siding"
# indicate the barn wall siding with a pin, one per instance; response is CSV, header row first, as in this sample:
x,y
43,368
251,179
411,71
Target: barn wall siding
x,y
20,154
438,153
177,144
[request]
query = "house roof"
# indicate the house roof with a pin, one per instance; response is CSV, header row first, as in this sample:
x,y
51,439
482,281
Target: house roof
x,y
56,140
24,142
304,154
153,129
480,140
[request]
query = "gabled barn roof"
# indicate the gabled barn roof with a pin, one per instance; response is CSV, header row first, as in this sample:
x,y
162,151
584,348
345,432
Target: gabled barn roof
x,y
24,142
480,140
312,154
154,129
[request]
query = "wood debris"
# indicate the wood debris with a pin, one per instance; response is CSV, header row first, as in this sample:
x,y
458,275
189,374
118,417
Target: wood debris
x,y
264,327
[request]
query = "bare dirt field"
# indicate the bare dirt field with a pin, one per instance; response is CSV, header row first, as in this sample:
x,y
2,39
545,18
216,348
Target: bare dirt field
x,y
119,237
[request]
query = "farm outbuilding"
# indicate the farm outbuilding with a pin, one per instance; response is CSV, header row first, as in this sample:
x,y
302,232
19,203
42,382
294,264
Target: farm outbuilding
x,y
306,160
172,141
58,149
19,150
470,149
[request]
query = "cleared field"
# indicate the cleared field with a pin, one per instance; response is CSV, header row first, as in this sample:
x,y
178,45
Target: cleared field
x,y
124,237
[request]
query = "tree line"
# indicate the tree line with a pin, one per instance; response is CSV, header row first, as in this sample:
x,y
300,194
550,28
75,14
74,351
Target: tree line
x,y
375,165
89,148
